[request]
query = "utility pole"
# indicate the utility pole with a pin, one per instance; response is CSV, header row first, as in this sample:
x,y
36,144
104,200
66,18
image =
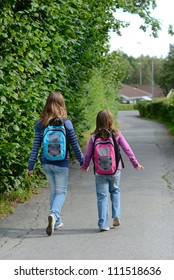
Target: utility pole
x,y
140,66
153,93
140,72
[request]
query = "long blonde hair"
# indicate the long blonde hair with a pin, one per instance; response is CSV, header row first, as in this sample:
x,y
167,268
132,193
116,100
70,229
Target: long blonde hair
x,y
105,120
54,107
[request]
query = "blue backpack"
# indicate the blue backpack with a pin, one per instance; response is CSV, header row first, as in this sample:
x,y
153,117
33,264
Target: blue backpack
x,y
55,144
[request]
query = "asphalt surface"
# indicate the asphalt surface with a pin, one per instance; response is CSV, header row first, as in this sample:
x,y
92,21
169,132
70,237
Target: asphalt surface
x,y
147,203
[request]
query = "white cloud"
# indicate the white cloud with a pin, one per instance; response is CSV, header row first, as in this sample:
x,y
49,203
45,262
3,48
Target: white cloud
x,y
135,42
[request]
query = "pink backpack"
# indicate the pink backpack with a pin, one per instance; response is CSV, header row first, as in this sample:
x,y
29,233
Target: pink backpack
x,y
106,154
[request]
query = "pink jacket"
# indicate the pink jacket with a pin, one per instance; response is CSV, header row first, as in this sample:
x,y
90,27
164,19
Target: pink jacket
x,y
121,143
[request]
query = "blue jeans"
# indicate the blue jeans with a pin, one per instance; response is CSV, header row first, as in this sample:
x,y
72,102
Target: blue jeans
x,y
107,184
58,180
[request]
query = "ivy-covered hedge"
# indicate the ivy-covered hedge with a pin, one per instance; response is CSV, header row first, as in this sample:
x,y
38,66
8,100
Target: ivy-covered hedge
x,y
45,45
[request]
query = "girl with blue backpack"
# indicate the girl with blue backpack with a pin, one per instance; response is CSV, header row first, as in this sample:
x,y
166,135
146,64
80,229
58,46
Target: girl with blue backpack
x,y
49,131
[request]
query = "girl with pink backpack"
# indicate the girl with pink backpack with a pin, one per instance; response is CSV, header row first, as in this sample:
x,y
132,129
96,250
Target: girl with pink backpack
x,y
103,148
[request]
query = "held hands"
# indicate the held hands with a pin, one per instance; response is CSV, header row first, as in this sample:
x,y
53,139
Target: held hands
x,y
84,169
30,172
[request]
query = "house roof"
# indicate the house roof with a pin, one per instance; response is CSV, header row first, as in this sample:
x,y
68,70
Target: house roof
x,y
157,91
133,92
137,91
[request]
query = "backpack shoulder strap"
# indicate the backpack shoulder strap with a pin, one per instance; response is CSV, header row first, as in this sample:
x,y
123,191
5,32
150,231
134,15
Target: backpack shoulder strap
x,y
117,152
67,135
103,131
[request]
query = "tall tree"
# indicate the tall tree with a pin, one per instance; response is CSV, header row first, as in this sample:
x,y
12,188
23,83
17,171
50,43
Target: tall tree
x,y
139,70
166,80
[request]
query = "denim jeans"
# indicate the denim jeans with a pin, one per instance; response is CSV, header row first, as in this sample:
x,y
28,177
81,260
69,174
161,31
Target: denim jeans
x,y
107,184
58,180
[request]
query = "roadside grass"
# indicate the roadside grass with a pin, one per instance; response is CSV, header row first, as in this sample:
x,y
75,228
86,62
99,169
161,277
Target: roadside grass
x,y
170,127
9,200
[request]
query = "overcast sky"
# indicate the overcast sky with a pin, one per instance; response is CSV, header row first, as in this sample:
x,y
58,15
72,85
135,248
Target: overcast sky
x,y
135,42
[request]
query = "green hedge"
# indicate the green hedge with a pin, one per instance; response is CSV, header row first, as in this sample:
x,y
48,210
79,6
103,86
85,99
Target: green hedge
x,y
45,45
161,109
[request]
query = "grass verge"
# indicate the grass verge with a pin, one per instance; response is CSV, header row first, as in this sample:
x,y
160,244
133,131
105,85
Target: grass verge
x,y
9,200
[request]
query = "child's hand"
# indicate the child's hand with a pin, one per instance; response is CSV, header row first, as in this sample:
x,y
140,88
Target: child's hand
x,y
84,169
30,172
140,167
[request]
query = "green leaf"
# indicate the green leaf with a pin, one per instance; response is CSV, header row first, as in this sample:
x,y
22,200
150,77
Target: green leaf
x,y
1,110
3,99
21,68
16,127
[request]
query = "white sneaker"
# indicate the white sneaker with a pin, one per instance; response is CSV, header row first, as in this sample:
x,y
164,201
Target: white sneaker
x,y
51,223
57,226
104,229
116,222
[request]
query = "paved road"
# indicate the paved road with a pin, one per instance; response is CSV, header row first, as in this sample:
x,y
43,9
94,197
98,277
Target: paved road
x,y
147,199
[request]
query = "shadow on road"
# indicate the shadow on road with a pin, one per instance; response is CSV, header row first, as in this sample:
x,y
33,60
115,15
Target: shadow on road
x,y
40,232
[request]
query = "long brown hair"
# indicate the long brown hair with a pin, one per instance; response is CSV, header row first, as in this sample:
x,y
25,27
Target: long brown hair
x,y
54,107
105,120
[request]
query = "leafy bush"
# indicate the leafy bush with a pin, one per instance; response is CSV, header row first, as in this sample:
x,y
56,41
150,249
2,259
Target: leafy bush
x,y
161,109
126,107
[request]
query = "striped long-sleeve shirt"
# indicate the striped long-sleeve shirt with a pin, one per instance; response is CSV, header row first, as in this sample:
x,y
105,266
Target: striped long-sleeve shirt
x,y
37,146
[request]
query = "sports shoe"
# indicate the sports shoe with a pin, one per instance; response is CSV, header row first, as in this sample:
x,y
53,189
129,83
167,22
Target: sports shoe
x,y
57,226
104,229
116,222
51,223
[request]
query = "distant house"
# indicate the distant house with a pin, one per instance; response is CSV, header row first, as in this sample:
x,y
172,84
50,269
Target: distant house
x,y
132,94
154,90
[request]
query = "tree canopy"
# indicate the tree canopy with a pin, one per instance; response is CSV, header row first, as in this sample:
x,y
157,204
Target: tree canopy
x,y
139,70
